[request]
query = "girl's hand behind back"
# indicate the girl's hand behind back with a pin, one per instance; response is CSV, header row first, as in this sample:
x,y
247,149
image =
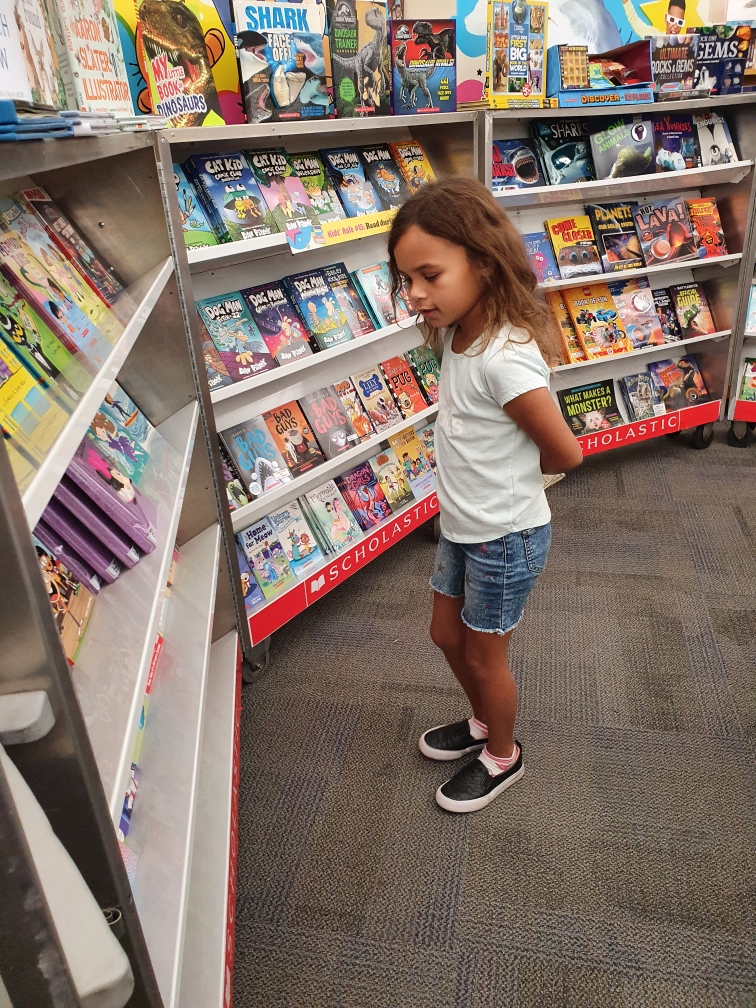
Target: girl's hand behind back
x,y
538,415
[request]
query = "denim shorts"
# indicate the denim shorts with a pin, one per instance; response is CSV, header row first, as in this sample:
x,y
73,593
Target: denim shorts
x,y
494,577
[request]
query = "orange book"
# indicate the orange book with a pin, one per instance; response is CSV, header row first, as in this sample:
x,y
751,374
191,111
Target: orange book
x,y
597,322
401,381
294,438
572,348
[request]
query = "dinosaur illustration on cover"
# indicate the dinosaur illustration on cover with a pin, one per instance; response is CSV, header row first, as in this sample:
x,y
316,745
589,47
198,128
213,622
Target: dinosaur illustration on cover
x,y
368,63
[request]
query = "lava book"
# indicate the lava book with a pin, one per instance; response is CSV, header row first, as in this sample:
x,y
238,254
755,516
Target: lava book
x,y
347,174
253,449
665,231
693,312
354,409
235,335
721,58
675,146
748,380
81,540
403,386
623,147
427,437
564,150
596,320
218,375
358,35
329,421
377,399
427,370
364,497
278,322
641,397
286,198
714,141
541,256
679,383
667,315
572,348
71,601
236,495
589,409
392,479
294,438
318,308
253,596
514,165
349,299
318,186
418,471
574,246
297,538
413,163
424,66
613,226
198,231
230,196
384,175
634,301
333,516
375,283
266,558
112,537
704,216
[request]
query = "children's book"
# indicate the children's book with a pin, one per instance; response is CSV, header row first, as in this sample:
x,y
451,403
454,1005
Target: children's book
x,y
514,165
591,408
574,246
393,482
82,541
77,503
564,150
329,421
230,196
714,141
123,434
318,308
667,315
673,62
596,319
278,321
297,538
333,516
748,380
236,495
721,58
253,449
623,147
427,370
198,231
294,438
92,59
424,66
427,436
28,414
358,35
354,409
665,231
613,226
693,312
377,399
413,163
403,386
704,216
286,198
384,175
541,256
572,348
14,71
266,558
641,398
675,146
318,186
253,596
235,335
322,539
347,174
218,375
515,54
634,301
349,299
364,497
679,383
750,324
375,283
70,600
418,471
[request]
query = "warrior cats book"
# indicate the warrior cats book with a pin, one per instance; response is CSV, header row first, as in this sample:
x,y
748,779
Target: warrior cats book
x,y
564,149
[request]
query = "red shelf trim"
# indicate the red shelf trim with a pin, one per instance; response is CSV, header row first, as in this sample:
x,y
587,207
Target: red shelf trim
x,y
233,841
643,430
744,410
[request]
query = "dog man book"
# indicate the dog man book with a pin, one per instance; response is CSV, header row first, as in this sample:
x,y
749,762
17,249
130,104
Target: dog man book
x,y
384,174
589,409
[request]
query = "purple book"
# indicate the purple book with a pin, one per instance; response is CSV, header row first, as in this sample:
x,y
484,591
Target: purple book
x,y
80,539
77,502
110,490
60,549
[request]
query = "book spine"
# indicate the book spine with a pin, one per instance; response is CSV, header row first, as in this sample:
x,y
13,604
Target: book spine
x,y
28,295
68,556
378,323
109,534
196,181
82,541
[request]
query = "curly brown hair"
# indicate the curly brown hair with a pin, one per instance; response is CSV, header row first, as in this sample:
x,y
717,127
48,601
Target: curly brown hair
x,y
461,210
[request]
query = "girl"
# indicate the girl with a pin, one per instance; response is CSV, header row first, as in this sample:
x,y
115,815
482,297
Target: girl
x,y
498,432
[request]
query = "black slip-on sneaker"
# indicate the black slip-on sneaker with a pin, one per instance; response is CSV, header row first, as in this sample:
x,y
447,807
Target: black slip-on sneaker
x,y
449,741
473,787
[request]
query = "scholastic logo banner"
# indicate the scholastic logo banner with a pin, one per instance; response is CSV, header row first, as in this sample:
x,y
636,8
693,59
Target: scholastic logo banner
x,y
643,430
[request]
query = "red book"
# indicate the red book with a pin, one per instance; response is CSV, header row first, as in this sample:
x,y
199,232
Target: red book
x,y
402,382
294,438
704,216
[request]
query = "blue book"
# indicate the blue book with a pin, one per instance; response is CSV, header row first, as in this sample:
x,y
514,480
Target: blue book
x,y
235,335
541,256
278,321
384,174
261,466
198,231
253,596
297,538
375,284
319,308
515,165
423,66
230,196
347,173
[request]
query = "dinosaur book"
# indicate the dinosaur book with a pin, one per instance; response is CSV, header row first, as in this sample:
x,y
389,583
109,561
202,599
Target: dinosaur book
x,y
230,196
287,200
383,172
423,67
360,57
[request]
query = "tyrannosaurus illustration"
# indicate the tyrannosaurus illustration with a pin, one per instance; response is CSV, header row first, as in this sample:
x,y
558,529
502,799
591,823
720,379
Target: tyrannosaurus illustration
x,y
438,45
412,78
367,63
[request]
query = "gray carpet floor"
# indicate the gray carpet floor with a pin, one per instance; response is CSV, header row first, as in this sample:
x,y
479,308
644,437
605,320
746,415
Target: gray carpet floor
x,y
619,873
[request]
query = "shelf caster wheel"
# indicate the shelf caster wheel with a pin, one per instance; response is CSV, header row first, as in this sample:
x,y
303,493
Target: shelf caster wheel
x,y
702,436
740,434
436,528
255,663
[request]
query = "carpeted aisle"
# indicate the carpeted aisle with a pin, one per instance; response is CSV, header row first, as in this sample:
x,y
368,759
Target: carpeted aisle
x,y
619,872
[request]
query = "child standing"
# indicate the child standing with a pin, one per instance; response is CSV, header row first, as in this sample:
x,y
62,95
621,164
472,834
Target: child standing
x,y
498,432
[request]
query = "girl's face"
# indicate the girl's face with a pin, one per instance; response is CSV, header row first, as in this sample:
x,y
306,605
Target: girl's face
x,y
444,286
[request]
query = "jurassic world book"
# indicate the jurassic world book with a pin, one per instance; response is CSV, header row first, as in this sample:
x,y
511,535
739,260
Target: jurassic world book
x,y
294,438
318,308
377,399
572,348
256,456
704,216
318,186
541,256
591,408
665,231
113,538
418,471
618,244
721,57
675,146
667,315
514,165
253,596
278,322
80,539
236,494
286,198
413,164
198,231
235,335
634,300
424,66
364,497
355,411
297,538
564,150
230,196
347,174
679,383
714,141
403,385
692,309
333,516
641,397
70,600
267,558
329,421
574,245
360,57
392,479
384,175
623,147
349,299
427,370
596,319
375,283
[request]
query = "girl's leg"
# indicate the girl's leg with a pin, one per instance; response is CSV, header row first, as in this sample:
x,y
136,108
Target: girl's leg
x,y
487,666
449,633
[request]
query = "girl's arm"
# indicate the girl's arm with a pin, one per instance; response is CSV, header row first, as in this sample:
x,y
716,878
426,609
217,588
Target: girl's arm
x,y
538,415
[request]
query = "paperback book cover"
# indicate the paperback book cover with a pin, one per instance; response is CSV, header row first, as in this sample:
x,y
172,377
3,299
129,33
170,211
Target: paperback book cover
x,y
349,299
218,375
354,409
427,370
613,226
70,600
693,313
28,414
286,198
673,62
704,216
751,316
377,399
641,398
418,471
424,66
297,538
294,438
318,186
81,540
623,147
392,479
675,146
347,174
323,541
230,196
360,56
590,408
254,451
235,335
572,348
564,150
515,54
364,497
748,380
236,495
198,231
123,434
514,165
384,175
665,231
714,141
427,437
112,537
15,62
634,301
721,58
266,558
253,596
667,315
403,386
375,283
413,163
679,383
278,321
333,516
596,320
574,246
329,421
318,308
541,255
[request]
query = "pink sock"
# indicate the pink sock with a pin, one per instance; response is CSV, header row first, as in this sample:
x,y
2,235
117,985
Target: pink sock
x,y
477,729
498,764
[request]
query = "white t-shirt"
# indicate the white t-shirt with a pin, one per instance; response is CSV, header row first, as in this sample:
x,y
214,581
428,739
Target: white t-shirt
x,y
489,476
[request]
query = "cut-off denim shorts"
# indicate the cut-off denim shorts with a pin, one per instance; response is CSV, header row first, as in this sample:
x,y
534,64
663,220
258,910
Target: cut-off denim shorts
x,y
494,577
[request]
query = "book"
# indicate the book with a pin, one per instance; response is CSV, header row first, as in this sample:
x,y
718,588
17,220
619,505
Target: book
x,y
334,517
424,66
667,315
384,175
675,146
564,150
28,414
229,196
349,299
693,313
321,537
596,320
679,383
634,301
673,62
195,224
218,375
82,541
514,165
278,322
541,256
377,399
426,434
253,596
266,558
391,477
572,348
714,141
286,198
77,503
418,471
748,380
318,308
297,538
403,386
329,421
347,174
360,57
363,495
235,335
70,600
375,283
641,397
750,324
355,411
413,163
427,370
92,59
14,70
623,147
590,408
318,186
236,495
613,226
256,456
294,438
665,231
574,246
123,434
283,61
704,216
721,56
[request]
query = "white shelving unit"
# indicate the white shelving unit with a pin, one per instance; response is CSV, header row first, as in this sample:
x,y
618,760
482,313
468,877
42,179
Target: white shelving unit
x,y
648,271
